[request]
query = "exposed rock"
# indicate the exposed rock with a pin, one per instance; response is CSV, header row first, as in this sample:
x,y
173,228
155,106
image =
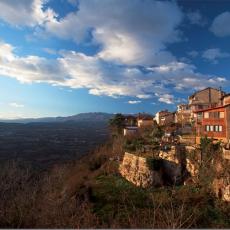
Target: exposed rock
x,y
221,188
192,167
193,170
170,155
176,168
135,169
221,183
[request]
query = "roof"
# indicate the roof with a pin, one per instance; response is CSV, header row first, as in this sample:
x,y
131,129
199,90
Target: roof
x,y
144,117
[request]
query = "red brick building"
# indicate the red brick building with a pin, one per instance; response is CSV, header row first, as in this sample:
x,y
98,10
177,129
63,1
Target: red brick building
x,y
214,122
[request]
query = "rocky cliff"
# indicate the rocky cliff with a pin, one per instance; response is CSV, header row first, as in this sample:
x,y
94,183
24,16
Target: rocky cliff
x,y
135,169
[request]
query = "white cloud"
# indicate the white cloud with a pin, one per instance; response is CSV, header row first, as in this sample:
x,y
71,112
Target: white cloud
x,y
29,68
25,12
221,79
165,98
214,54
100,77
134,102
16,105
144,96
220,26
196,18
173,67
128,32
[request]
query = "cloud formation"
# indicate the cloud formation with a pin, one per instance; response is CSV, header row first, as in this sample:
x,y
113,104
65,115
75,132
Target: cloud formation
x,y
220,26
25,12
214,54
100,77
165,98
128,32
134,102
16,105
132,57
196,18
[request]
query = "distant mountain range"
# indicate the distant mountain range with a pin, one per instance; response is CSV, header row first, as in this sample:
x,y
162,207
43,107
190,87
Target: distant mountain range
x,y
82,117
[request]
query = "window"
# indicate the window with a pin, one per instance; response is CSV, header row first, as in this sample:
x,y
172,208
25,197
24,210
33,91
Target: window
x,y
211,128
199,116
215,115
207,127
218,128
221,115
206,115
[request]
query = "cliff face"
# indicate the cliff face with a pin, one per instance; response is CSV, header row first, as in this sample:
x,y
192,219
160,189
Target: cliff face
x,y
175,169
179,166
136,170
221,183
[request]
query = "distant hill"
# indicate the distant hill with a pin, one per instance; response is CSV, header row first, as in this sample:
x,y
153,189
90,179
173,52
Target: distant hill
x,y
97,117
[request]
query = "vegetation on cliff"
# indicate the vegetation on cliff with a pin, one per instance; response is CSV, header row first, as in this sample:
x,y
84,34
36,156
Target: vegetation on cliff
x,y
90,193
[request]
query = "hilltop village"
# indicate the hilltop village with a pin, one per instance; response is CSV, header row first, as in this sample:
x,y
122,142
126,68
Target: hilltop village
x,y
170,148
206,114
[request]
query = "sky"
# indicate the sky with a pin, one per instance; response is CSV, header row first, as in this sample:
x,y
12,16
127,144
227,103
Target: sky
x,y
63,57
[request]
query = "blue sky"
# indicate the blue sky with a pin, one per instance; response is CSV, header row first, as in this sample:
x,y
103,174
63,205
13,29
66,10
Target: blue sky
x,y
63,57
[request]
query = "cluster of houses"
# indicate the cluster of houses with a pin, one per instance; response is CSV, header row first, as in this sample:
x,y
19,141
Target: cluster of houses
x,y
206,114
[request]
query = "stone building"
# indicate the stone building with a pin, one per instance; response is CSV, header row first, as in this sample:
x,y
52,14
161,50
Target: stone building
x,y
144,121
165,117
183,114
204,99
